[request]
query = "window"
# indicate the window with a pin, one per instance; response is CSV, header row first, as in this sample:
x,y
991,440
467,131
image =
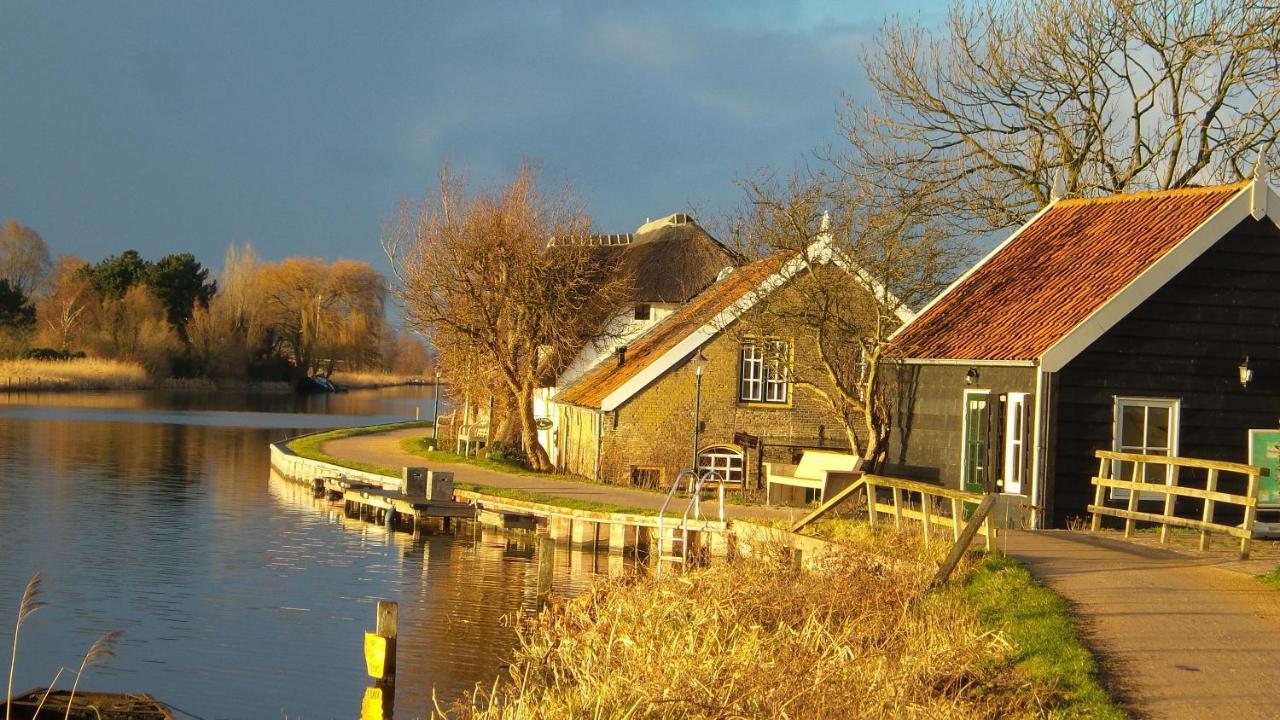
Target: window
x,y
763,373
973,453
644,312
1146,426
1015,442
726,461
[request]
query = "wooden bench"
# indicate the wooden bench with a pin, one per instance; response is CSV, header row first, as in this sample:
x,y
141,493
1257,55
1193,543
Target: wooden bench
x,y
823,472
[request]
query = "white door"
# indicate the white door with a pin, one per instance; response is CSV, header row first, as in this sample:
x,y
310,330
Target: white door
x,y
1015,442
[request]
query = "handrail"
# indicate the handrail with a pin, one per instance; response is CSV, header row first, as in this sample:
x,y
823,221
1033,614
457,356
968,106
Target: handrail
x,y
662,511
696,483
1109,462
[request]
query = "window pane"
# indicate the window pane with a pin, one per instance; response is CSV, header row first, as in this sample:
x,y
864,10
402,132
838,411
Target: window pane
x,y
1158,427
1132,426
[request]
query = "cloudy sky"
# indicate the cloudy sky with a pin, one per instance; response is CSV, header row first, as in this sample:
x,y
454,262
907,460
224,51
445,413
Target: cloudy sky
x,y
168,126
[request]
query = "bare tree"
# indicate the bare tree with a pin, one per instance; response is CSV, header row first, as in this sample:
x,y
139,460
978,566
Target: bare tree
x,y
476,280
1113,95
67,304
24,257
864,267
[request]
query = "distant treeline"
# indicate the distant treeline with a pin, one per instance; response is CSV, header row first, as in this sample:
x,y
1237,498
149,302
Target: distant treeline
x,y
256,321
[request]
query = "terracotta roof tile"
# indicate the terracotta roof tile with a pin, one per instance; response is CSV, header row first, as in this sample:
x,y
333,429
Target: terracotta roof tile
x,y
607,376
1054,274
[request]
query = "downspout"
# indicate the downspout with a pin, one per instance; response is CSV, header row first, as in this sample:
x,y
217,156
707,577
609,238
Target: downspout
x,y
1039,453
599,440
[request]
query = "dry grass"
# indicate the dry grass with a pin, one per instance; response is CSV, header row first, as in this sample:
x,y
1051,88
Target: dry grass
x,y
364,380
857,637
78,374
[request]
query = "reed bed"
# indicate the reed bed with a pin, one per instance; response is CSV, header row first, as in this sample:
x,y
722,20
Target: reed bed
x,y
857,636
74,374
368,380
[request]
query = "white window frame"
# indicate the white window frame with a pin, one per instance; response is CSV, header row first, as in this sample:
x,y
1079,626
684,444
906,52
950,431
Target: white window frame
x,y
722,459
964,432
1015,442
1119,402
763,379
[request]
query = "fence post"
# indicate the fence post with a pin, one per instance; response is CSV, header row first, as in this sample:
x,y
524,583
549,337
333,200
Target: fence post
x,y
871,504
1104,468
897,509
1139,476
955,519
927,518
1170,480
1212,486
1250,514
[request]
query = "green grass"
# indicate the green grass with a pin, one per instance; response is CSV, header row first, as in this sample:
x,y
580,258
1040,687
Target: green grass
x,y
1272,578
1037,622
420,446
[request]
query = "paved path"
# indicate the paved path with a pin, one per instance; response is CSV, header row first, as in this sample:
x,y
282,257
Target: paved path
x,y
1179,636
384,449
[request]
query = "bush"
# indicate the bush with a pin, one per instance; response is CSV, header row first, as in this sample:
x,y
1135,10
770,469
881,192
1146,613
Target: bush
x,y
51,354
501,452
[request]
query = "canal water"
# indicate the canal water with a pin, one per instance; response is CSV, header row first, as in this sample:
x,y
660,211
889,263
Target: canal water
x,y
238,593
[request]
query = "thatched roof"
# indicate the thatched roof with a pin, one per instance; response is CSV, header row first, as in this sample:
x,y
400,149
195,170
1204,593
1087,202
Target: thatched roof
x,y
670,260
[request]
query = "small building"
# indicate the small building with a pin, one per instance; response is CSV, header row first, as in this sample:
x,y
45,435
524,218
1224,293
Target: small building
x,y
631,418
666,262
1145,323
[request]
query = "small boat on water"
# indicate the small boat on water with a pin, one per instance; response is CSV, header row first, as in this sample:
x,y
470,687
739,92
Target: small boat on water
x,y
88,706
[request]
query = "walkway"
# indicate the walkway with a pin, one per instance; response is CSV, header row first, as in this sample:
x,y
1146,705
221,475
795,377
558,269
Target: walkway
x,y
1179,636
384,449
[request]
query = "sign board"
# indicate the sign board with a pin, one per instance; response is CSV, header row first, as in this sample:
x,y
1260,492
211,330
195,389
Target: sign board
x,y
1264,451
543,423
746,440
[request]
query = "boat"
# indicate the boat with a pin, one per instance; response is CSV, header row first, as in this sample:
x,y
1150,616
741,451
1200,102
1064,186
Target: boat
x,y
88,706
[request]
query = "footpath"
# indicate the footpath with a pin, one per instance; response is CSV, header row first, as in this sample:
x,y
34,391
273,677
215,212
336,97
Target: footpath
x,y
384,449
1179,636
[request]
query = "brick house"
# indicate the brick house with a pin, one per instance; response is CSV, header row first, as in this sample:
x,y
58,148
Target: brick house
x,y
630,419
666,262
1122,323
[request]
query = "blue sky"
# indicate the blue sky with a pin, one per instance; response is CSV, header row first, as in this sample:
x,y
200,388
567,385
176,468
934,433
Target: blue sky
x,y
167,126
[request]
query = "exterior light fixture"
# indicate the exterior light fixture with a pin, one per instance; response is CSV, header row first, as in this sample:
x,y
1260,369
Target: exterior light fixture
x,y
1246,372
971,377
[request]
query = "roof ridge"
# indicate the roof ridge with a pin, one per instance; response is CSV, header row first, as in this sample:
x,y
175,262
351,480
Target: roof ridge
x,y
1148,194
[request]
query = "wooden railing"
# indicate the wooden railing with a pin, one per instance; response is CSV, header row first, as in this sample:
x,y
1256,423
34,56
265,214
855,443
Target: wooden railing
x,y
932,505
1109,467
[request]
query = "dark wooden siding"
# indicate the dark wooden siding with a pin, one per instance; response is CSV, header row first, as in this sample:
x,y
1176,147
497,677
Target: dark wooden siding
x,y
1186,341
927,433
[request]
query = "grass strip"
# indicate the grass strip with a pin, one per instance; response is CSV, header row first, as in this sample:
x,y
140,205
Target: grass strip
x,y
1037,621
308,446
1272,578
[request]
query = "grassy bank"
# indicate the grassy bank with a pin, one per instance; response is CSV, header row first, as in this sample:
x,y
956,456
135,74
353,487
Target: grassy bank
x,y
858,637
75,374
368,380
308,446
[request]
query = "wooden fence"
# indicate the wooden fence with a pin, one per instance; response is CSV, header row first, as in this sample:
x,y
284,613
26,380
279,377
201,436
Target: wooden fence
x,y
932,505
1110,469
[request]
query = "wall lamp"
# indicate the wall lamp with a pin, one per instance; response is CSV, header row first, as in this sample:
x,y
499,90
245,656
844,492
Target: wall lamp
x,y
971,377
1246,372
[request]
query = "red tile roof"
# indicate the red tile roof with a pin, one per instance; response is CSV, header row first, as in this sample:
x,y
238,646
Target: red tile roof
x,y
1066,264
607,376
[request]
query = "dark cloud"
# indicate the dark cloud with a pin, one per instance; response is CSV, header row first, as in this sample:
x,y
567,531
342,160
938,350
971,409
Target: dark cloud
x,y
175,127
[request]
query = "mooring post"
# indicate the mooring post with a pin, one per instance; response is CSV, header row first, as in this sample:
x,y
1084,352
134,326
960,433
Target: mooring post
x,y
380,659
546,568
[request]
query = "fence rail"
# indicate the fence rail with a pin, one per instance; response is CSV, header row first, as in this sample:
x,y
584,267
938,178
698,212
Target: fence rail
x,y
931,505
1111,466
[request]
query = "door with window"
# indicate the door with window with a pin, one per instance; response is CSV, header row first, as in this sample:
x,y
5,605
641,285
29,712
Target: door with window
x,y
1014,471
975,461
1145,426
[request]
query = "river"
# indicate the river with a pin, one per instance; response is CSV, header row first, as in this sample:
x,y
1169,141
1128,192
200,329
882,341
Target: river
x,y
239,595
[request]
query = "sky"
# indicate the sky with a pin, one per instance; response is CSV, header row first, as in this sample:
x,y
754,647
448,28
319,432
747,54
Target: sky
x,y
299,127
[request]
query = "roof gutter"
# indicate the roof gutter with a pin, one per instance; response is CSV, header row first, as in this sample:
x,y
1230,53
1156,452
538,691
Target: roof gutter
x,y
962,361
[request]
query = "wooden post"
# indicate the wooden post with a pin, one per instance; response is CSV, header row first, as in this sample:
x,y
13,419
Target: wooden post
x,y
926,516
546,568
1211,485
1250,515
1104,466
871,504
380,645
955,519
797,560
980,516
1139,476
897,509
1170,480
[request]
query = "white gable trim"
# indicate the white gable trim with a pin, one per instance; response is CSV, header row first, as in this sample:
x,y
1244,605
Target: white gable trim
x,y
1247,201
694,340
965,275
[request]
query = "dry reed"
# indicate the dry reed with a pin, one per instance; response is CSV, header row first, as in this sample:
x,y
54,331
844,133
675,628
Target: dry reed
x,y
858,636
362,380
76,374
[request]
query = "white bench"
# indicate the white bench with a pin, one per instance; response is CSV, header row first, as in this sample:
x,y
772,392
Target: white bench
x,y
819,470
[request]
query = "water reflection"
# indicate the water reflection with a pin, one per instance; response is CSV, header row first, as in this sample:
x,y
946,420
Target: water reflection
x,y
240,595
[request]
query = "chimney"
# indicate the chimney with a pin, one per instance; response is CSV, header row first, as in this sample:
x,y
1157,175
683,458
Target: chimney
x,y
622,355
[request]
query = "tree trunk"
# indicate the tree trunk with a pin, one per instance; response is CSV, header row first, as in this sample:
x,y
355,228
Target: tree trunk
x,y
539,461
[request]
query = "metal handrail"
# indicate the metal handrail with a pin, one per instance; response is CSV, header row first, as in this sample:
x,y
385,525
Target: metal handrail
x,y
696,483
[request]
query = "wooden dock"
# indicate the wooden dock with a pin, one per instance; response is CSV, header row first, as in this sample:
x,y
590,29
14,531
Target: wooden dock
x,y
389,507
